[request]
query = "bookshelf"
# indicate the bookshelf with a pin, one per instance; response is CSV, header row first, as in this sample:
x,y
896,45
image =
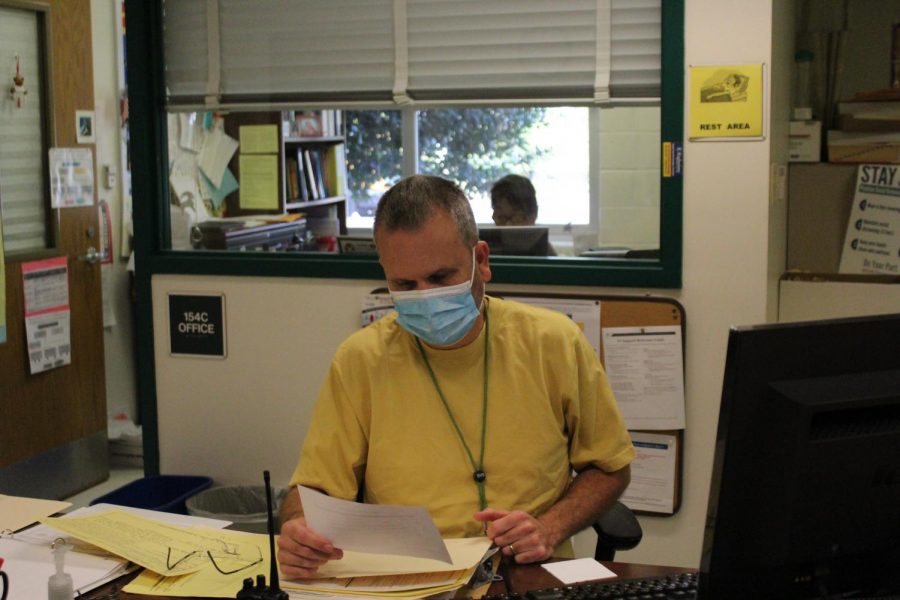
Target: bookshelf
x,y
311,167
314,166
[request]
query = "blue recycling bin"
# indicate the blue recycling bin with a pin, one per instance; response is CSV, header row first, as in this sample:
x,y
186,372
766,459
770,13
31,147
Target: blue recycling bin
x,y
165,493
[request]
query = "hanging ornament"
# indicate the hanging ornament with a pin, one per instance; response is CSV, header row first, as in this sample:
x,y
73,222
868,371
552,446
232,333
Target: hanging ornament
x,y
18,92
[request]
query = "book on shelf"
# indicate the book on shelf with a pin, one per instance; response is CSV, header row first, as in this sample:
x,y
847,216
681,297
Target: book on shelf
x,y
302,185
335,170
316,156
292,178
310,175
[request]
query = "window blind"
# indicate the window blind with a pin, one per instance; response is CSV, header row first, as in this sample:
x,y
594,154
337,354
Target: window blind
x,y
279,51
22,179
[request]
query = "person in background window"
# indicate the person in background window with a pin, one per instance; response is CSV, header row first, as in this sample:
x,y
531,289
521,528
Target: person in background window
x,y
515,203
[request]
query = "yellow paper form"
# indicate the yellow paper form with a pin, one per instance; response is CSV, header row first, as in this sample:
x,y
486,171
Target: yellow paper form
x,y
164,549
259,181
726,101
259,139
210,581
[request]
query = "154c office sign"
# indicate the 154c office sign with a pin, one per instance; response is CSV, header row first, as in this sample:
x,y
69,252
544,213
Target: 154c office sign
x,y
197,325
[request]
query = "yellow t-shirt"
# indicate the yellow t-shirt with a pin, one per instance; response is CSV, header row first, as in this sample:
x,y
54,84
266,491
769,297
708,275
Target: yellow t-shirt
x,y
379,418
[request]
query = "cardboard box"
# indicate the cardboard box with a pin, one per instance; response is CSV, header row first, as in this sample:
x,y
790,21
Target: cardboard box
x,y
819,201
863,147
805,141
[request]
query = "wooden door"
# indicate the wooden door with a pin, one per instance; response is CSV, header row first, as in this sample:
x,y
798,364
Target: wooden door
x,y
53,424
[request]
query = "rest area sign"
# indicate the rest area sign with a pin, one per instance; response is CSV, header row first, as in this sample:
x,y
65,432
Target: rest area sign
x,y
197,325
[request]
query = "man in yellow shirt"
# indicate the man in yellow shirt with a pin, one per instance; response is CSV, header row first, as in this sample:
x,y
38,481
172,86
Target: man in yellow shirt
x,y
477,408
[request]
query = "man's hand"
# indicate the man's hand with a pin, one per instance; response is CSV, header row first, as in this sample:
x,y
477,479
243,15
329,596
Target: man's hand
x,y
518,534
301,551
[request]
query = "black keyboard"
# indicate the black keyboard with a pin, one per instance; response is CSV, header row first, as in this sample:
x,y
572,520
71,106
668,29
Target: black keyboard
x,y
680,586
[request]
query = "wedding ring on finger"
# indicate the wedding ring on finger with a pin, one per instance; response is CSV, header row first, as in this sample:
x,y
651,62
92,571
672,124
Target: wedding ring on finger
x,y
512,549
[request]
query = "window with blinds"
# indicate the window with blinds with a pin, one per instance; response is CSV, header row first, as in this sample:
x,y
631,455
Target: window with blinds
x,y
23,206
224,52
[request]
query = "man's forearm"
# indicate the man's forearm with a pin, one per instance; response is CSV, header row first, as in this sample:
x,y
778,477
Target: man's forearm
x,y
291,507
591,493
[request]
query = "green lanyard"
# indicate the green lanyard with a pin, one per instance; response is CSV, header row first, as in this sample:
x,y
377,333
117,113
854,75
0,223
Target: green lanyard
x,y
478,474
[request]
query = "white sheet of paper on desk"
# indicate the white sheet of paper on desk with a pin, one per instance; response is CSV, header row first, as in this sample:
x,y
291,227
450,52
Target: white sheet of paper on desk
x,y
580,569
374,528
645,367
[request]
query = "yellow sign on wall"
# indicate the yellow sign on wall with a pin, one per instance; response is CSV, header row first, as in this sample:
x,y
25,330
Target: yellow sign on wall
x,y
726,101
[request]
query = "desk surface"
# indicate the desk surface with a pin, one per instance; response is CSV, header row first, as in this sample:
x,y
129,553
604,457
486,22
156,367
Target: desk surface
x,y
522,578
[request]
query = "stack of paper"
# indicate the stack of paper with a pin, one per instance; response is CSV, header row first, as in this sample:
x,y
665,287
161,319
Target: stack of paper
x,y
373,575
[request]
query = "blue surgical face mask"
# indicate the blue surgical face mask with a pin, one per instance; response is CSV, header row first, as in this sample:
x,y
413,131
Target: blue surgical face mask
x,y
438,316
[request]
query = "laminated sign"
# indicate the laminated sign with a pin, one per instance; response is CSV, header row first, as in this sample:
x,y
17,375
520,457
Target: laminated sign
x,y
872,243
726,102
197,325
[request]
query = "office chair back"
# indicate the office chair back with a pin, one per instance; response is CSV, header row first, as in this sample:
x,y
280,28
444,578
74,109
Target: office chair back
x,y
617,529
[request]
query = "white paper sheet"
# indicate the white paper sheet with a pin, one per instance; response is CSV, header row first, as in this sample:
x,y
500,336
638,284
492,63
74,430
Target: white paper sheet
x,y
652,486
218,148
374,528
71,177
580,569
645,367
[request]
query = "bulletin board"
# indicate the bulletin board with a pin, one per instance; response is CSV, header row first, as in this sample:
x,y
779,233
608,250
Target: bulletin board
x,y
638,312
616,313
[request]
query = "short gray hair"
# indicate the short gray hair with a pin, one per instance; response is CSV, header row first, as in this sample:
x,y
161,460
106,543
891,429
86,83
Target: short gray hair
x,y
413,200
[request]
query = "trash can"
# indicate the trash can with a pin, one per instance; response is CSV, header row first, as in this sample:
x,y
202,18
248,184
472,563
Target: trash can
x,y
166,493
243,505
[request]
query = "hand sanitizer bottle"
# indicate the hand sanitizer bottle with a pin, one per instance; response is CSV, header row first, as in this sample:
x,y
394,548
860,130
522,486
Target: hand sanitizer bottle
x,y
59,587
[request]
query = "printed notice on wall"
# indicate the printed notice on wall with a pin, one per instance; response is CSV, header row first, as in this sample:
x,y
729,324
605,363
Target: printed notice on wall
x,y
872,242
726,102
645,367
71,177
45,284
652,486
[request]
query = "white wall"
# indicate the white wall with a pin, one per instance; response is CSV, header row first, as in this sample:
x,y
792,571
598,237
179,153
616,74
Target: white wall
x,y
232,418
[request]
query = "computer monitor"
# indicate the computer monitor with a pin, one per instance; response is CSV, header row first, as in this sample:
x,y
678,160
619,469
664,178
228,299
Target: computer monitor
x,y
516,240
805,494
